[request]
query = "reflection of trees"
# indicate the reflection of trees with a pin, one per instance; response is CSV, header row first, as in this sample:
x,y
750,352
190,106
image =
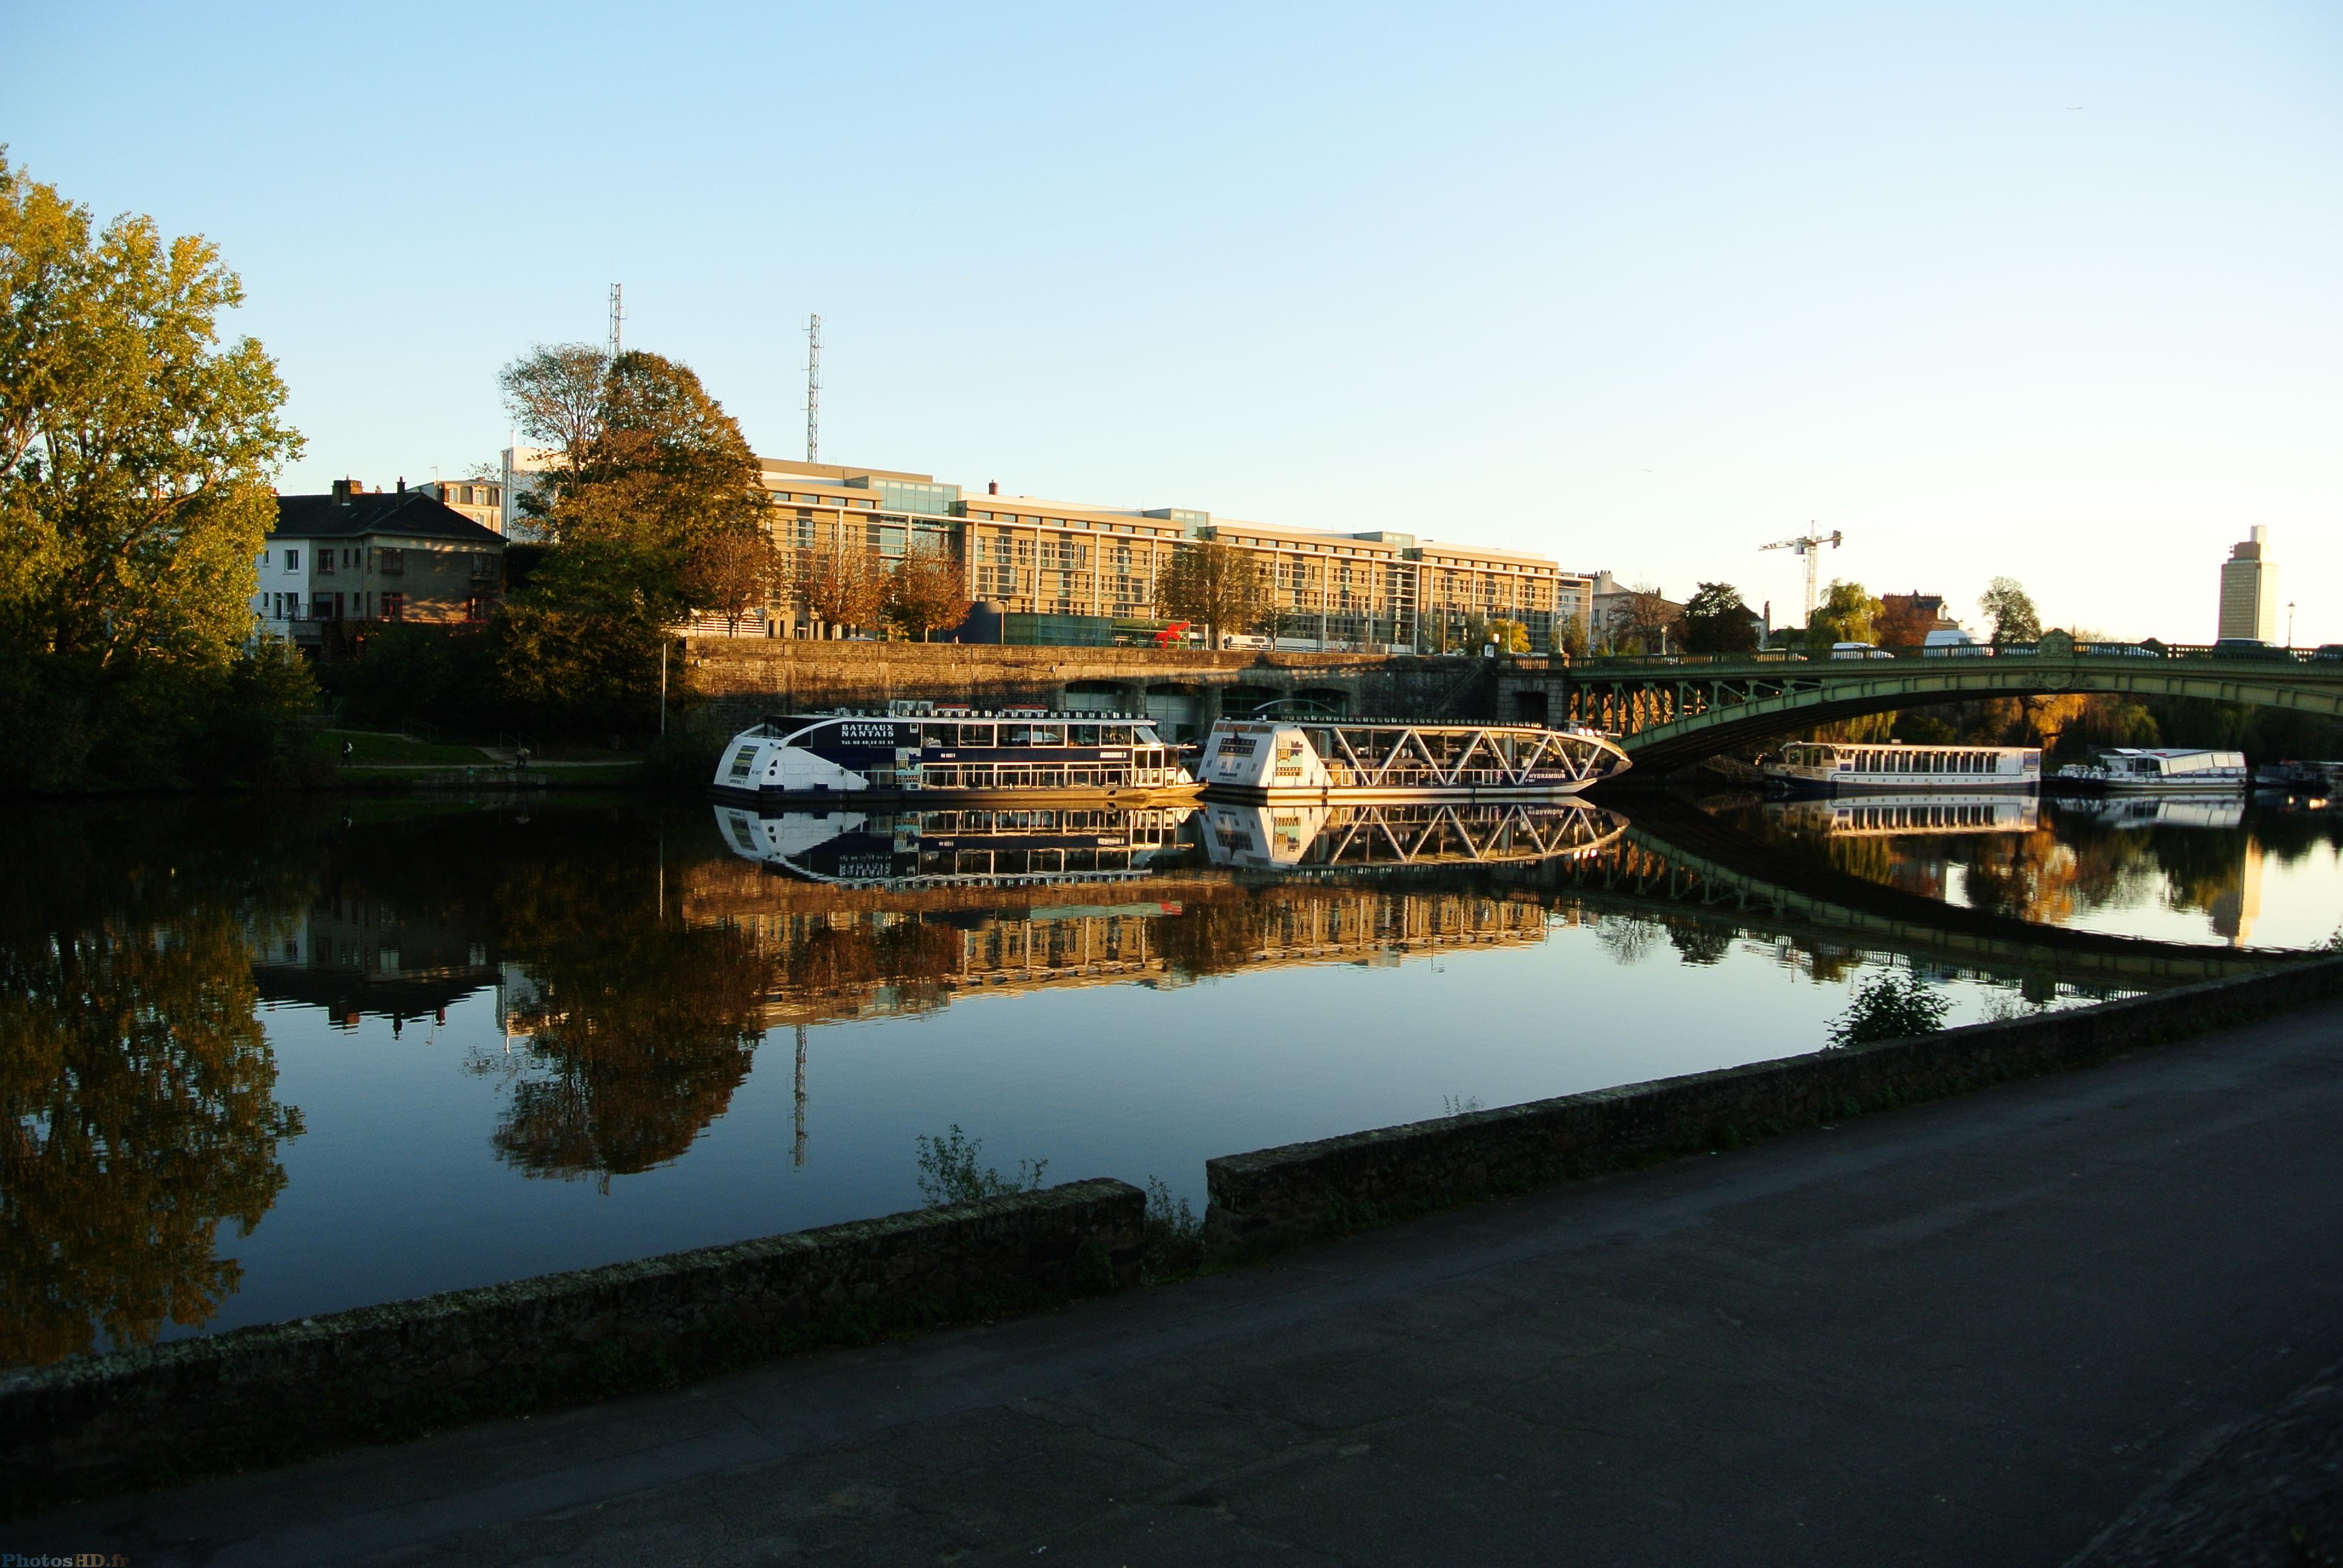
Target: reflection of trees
x,y
644,1026
1697,943
137,1087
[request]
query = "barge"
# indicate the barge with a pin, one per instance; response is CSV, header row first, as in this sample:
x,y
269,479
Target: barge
x,y
929,753
1360,760
2134,770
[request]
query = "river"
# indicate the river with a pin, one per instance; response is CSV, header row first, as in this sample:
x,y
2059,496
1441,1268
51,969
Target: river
x,y
266,1058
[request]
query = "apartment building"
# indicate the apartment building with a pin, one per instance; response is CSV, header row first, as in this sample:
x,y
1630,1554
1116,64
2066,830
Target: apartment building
x,y
1034,556
2250,589
482,500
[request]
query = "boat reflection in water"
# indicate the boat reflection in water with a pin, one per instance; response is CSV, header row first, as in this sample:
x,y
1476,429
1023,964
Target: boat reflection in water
x,y
1297,837
921,849
2224,811
1884,815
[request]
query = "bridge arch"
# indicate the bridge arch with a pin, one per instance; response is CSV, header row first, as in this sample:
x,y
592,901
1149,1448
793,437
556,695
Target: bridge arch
x,y
1690,714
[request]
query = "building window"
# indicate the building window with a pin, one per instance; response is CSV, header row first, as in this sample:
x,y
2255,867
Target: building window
x,y
394,607
325,563
390,563
473,609
292,560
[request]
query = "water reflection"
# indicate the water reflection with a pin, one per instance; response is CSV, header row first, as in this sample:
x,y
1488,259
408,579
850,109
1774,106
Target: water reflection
x,y
629,960
135,1083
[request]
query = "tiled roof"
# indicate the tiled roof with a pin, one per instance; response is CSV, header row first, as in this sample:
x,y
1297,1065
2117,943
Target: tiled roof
x,y
409,512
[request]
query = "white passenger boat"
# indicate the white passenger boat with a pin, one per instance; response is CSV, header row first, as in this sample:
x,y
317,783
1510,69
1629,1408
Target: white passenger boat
x,y
924,751
1394,760
1836,766
2132,770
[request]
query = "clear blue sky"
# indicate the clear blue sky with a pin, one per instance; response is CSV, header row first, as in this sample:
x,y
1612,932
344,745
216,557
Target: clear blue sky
x,y
2037,289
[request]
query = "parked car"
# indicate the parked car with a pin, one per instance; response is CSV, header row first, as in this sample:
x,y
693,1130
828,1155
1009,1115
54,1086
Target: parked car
x,y
2329,650
2252,648
1858,650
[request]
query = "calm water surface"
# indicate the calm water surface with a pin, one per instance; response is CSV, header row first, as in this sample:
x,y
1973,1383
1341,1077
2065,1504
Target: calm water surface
x,y
267,1061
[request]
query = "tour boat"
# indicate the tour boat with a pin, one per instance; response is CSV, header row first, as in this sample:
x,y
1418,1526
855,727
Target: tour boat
x,y
925,750
2128,770
1397,760
1834,767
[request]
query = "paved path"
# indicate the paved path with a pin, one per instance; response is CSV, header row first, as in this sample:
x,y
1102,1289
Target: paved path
x,y
1972,1332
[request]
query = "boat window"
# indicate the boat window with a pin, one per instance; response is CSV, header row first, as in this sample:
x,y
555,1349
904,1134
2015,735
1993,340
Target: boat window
x,y
1085,734
1048,735
1117,734
976,734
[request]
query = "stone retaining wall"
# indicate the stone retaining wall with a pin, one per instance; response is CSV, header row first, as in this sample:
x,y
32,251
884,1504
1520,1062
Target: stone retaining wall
x,y
270,1394
1275,1198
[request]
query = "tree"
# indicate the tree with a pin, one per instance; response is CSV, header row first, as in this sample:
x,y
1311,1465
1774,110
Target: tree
x,y
1848,614
2012,612
135,460
1570,640
1223,587
1509,635
554,393
842,584
927,590
734,573
1901,622
1650,617
1716,620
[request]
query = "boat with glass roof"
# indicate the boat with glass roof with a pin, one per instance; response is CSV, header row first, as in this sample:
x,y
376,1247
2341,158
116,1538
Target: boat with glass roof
x,y
924,751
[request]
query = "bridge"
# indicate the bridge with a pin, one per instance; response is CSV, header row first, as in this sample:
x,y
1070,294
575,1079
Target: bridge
x,y
1671,711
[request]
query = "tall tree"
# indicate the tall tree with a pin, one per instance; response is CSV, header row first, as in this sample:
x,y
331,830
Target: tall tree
x,y
135,451
1716,620
1650,617
2012,612
927,590
1221,587
1848,614
554,393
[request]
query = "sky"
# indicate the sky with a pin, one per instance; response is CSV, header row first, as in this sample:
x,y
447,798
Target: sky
x,y
2037,290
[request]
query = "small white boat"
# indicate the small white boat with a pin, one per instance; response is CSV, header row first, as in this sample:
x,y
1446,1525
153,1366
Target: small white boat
x,y
2128,770
925,750
1836,766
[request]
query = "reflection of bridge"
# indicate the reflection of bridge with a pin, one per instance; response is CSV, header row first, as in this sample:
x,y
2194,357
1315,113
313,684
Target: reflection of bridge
x,y
1422,833
1672,712
1680,855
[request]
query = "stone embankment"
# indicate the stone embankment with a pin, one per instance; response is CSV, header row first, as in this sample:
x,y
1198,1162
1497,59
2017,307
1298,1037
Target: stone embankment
x,y
265,1395
746,679
1275,1198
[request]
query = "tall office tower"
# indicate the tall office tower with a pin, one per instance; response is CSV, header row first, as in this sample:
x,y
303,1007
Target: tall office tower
x,y
2250,589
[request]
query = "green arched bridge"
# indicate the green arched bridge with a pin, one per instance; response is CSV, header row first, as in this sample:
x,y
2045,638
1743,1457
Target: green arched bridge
x,y
1671,711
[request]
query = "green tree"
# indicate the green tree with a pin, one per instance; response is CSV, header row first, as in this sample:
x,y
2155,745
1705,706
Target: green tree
x,y
1848,614
2012,612
1221,587
1570,639
136,458
1510,636
1716,620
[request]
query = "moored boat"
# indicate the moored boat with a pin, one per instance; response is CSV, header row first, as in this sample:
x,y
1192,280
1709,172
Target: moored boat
x,y
926,750
1834,767
2128,770
1397,760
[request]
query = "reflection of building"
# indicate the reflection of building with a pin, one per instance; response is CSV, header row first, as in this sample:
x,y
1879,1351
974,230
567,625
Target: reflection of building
x,y
2239,905
354,955
2250,589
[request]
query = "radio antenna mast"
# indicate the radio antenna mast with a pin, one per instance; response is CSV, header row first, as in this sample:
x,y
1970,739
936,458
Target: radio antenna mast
x,y
618,315
1809,544
813,388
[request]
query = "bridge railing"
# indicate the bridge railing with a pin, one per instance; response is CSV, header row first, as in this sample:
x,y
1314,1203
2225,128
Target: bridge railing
x,y
2331,654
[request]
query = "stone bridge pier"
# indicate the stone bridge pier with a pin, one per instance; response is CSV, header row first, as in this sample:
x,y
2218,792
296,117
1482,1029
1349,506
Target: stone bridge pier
x,y
747,679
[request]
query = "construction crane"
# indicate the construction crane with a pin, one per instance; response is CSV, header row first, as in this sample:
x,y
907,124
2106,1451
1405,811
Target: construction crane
x,y
1809,544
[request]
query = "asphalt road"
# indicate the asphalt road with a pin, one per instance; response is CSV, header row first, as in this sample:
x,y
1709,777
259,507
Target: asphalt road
x,y
1971,1333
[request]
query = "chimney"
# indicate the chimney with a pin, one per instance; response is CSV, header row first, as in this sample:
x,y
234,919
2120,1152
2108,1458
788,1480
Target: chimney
x,y
344,488
402,484
993,487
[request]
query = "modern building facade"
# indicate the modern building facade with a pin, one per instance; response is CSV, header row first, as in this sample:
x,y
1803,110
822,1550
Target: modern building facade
x,y
372,556
1033,556
2250,589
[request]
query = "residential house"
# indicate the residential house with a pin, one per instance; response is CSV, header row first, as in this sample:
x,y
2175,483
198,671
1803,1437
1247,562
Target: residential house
x,y
374,555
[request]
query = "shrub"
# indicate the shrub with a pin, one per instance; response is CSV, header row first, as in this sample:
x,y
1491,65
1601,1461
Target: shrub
x,y
949,1171
1894,1006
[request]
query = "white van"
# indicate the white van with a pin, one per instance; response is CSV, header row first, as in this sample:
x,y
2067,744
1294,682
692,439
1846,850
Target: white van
x,y
1858,650
1951,642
